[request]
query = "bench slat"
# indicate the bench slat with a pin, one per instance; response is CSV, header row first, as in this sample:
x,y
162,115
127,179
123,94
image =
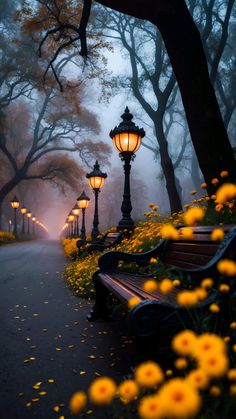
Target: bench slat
x,y
136,284
198,259
191,247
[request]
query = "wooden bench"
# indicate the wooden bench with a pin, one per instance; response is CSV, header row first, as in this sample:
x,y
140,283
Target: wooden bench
x,y
157,313
106,241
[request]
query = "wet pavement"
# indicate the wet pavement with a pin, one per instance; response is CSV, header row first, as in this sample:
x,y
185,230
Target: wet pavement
x,y
48,349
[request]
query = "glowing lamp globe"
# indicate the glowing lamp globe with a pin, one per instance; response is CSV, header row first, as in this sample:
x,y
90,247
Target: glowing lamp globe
x,y
76,210
33,218
29,214
83,201
127,137
15,203
96,178
23,210
71,217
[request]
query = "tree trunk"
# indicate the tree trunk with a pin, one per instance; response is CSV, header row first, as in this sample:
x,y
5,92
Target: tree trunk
x,y
4,191
184,46
168,169
208,133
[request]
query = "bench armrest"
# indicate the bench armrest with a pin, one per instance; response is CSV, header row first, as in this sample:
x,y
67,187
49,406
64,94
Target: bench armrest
x,y
109,261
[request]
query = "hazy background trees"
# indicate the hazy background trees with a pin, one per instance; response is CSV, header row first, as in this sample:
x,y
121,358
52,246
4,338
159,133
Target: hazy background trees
x,y
51,122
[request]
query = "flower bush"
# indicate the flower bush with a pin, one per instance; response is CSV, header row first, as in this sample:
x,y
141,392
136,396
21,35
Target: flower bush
x,y
200,382
201,388
6,237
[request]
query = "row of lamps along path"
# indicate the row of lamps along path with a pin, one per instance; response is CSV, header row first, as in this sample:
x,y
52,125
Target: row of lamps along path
x,y
38,228
127,138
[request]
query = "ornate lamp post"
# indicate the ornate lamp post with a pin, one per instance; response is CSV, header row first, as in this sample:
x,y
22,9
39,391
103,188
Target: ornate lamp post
x,y
23,212
75,212
127,138
28,215
96,180
34,220
71,218
83,201
15,205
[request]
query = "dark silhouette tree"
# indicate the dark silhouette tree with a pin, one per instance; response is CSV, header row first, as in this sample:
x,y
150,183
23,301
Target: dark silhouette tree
x,y
186,53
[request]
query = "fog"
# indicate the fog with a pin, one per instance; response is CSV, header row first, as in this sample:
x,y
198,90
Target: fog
x,y
84,113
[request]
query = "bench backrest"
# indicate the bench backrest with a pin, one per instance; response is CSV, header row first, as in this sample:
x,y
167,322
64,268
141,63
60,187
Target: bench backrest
x,y
111,237
195,252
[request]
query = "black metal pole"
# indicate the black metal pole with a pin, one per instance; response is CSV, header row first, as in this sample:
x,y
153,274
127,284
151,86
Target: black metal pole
x,y
126,222
83,231
33,229
15,222
77,226
95,232
28,232
23,224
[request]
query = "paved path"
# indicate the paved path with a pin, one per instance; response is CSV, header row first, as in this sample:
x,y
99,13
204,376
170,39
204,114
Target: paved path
x,y
44,335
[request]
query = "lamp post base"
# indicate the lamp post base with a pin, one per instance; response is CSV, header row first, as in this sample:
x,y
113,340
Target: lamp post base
x,y
126,225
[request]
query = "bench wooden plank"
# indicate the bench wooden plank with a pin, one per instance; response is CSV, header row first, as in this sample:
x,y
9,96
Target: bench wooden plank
x,y
197,258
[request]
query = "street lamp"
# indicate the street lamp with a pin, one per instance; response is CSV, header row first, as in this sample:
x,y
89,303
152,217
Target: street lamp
x,y
28,215
33,219
75,212
71,218
83,201
96,180
15,205
127,138
23,212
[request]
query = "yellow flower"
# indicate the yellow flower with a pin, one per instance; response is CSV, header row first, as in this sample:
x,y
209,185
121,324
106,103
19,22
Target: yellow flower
x,y
166,286
150,408
226,267
77,402
225,193
193,192
224,173
203,185
169,373
233,390
198,379
153,260
150,285
102,391
187,298
208,343
193,215
232,374
133,302
215,391
151,205
215,364
181,363
148,374
217,234
176,282
169,232
183,343
214,308
128,391
201,293
233,325
207,283
214,181
179,399
187,233
218,207
224,288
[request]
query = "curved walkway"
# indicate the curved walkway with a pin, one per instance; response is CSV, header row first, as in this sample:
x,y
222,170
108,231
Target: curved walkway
x,y
47,348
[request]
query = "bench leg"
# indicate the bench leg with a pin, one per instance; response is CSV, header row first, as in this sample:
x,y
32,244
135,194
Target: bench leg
x,y
100,309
